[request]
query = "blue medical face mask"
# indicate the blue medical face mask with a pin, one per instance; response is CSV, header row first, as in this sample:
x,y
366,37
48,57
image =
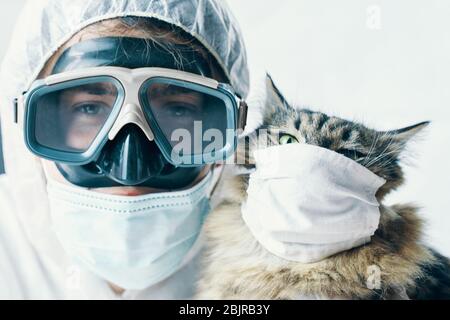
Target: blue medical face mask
x,y
109,112
132,242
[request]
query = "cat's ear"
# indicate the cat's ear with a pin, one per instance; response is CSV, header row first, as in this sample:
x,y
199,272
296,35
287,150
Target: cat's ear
x,y
275,101
398,139
274,95
405,134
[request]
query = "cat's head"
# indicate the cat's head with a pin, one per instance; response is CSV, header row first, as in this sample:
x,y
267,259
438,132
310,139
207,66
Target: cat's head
x,y
378,151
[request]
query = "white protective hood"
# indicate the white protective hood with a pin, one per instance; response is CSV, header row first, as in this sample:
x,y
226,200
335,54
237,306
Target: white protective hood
x,y
42,28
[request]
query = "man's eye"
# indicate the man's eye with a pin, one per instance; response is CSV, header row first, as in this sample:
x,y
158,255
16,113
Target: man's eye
x,y
287,139
90,108
181,110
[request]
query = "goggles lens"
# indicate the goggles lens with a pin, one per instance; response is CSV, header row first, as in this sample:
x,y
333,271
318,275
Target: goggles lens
x,y
69,117
70,121
191,120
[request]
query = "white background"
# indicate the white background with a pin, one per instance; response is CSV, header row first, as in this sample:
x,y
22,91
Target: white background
x,y
383,62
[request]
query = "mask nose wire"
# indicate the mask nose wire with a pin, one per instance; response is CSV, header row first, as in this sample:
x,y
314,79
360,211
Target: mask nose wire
x,y
131,113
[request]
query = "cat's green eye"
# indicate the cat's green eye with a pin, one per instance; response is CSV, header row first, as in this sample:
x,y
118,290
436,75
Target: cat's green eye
x,y
287,138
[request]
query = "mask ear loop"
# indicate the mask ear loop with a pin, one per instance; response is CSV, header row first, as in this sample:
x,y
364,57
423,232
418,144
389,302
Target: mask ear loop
x,y
45,169
217,176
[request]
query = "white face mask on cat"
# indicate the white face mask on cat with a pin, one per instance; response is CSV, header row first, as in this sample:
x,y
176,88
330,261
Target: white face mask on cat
x,y
306,203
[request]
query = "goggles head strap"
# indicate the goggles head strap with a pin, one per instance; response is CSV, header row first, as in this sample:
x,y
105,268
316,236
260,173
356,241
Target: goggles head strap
x,y
243,114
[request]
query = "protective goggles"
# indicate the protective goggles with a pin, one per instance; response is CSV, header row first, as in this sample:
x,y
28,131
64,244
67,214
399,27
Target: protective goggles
x,y
70,116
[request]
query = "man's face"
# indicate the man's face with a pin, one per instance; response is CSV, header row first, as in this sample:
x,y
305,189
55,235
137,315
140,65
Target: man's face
x,y
86,110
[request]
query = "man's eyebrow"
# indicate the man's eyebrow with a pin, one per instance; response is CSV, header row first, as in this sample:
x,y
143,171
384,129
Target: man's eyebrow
x,y
96,89
172,90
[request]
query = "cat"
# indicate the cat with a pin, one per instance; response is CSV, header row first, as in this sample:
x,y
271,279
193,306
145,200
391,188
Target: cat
x,y
236,266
